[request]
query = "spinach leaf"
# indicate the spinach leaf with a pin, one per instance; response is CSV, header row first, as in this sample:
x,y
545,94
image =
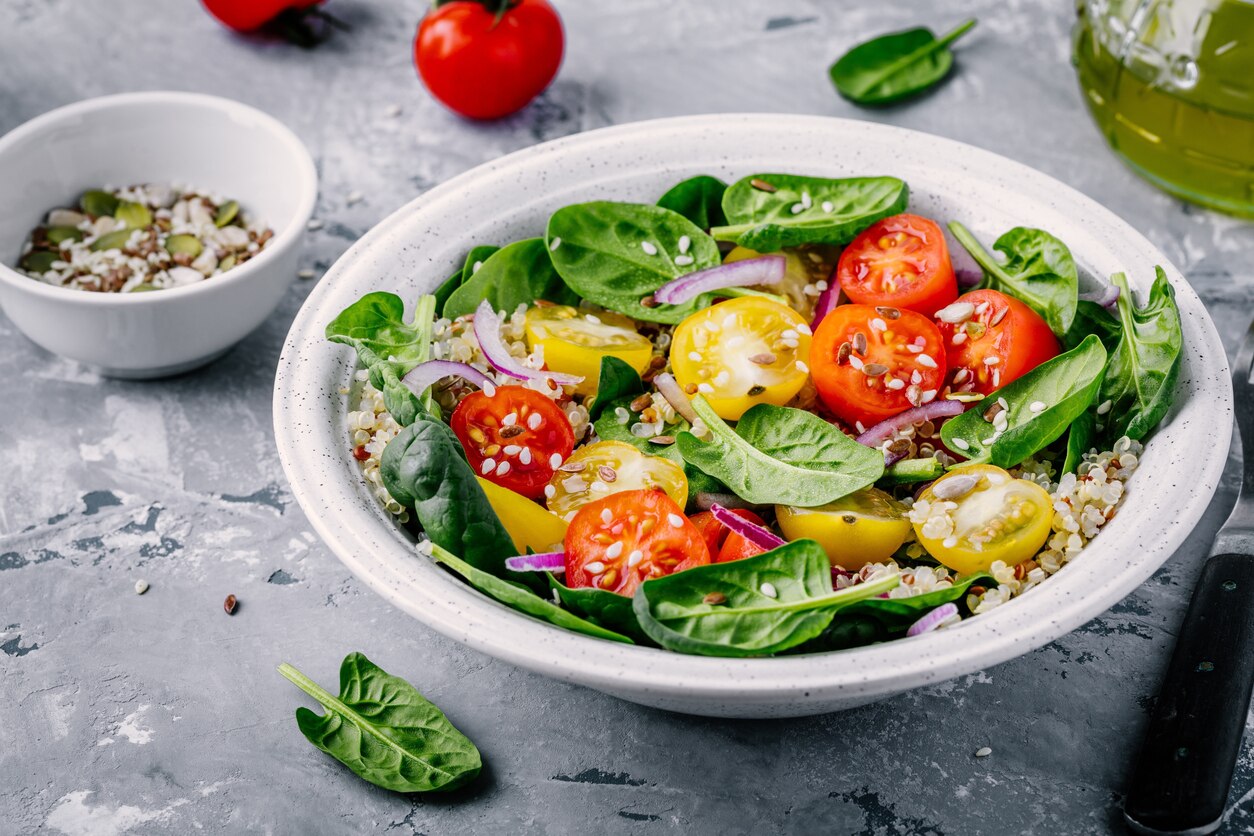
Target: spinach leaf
x,y
387,346
699,199
518,597
1092,318
805,210
386,732
599,249
1079,440
895,66
617,380
766,603
517,274
445,290
477,255
779,455
424,467
1039,271
1061,389
910,471
602,607
1141,379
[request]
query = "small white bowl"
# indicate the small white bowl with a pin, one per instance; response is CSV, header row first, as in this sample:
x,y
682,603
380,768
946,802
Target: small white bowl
x,y
410,252
205,142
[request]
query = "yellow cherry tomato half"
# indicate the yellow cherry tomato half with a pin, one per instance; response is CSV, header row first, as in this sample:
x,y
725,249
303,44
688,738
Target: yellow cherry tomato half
x,y
742,352
528,524
978,513
607,467
574,342
804,267
866,526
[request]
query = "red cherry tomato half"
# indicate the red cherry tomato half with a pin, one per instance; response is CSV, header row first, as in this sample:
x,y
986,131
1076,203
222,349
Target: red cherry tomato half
x,y
870,363
511,437
623,540
724,544
247,15
993,339
900,261
484,66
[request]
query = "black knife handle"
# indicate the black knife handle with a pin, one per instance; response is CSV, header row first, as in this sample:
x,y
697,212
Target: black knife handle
x,y
1181,779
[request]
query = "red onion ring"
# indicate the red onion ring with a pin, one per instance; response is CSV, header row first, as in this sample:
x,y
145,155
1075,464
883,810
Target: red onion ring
x,y
668,386
544,562
754,533
885,429
421,376
932,620
826,302
764,270
488,332
1107,298
968,277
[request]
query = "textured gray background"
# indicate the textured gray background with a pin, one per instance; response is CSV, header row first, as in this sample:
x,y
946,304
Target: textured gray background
x,y
159,714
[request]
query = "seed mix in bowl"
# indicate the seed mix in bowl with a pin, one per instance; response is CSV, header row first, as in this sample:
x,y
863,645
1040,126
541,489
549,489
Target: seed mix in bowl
x,y
814,439
146,237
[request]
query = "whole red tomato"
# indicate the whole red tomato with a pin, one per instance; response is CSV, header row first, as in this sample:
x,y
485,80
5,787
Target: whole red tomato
x,y
488,58
247,15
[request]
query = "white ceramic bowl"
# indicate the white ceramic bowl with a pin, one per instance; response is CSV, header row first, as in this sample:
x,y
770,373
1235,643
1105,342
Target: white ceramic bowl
x,y
410,252
202,141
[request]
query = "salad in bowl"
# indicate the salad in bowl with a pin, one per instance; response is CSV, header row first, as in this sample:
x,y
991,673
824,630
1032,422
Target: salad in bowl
x,y
763,418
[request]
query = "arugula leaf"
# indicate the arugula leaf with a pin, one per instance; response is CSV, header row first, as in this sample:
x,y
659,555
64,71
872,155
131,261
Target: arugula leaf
x,y
765,221
1039,271
779,455
617,380
699,199
767,603
1061,388
602,607
599,249
895,66
1141,379
386,732
424,467
518,597
517,274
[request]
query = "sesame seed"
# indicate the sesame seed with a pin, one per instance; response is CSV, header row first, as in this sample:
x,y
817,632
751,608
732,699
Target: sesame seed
x,y
821,284
596,567
789,343
305,274
314,225
354,197
729,321
502,468
789,334
141,586
512,449
960,444
606,516
474,268
806,200
1104,407
992,361
827,206
595,320
534,420
859,426
798,208
525,456
1004,404
927,395
705,389
614,550
675,520
983,752
555,243
949,542
981,308
895,384
914,349
621,415
804,329
802,367
987,441
768,589
959,338
694,356
392,110
879,324
550,491
722,378
855,362
926,361
635,557
999,316
683,260
684,243
555,461
599,486
1037,406
487,467
648,248
996,378
510,420
489,389
961,375
956,312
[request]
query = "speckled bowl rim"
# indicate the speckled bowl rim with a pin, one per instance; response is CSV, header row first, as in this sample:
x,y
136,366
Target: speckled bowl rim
x,y
230,110
1180,468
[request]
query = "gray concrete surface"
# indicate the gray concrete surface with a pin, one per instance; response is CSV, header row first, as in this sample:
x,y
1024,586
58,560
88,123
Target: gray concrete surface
x,y
159,714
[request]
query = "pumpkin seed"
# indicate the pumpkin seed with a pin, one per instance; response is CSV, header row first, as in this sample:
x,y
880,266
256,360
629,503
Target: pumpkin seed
x,y
114,240
187,244
39,261
134,215
57,234
95,202
226,213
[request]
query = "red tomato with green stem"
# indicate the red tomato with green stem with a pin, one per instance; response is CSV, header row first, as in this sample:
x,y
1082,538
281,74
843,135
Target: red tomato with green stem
x,y
512,437
992,339
901,261
486,59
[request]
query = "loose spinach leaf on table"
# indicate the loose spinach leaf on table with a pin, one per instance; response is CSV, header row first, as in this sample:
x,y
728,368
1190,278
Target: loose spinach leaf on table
x,y
1141,379
895,66
387,346
602,607
617,380
597,249
1039,271
805,210
779,455
518,597
1063,388
517,274
699,199
765,604
386,732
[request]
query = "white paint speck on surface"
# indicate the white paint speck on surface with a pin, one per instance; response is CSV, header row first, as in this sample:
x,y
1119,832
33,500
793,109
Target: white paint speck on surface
x,y
131,730
73,816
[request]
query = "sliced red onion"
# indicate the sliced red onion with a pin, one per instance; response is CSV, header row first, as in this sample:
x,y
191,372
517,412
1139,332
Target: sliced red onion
x,y
767,269
546,562
706,501
423,375
1106,297
669,387
885,429
968,277
751,531
932,620
488,332
826,302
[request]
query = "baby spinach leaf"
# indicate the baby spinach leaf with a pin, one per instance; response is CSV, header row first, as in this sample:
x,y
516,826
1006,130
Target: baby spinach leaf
x,y
1061,389
1079,440
517,274
424,467
445,290
1039,271
1141,379
805,210
910,471
600,249
895,66
1092,318
386,732
699,199
602,607
779,455
518,597
765,603
616,381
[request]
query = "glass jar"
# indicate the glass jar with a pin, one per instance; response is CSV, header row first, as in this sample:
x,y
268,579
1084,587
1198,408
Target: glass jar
x,y
1170,84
